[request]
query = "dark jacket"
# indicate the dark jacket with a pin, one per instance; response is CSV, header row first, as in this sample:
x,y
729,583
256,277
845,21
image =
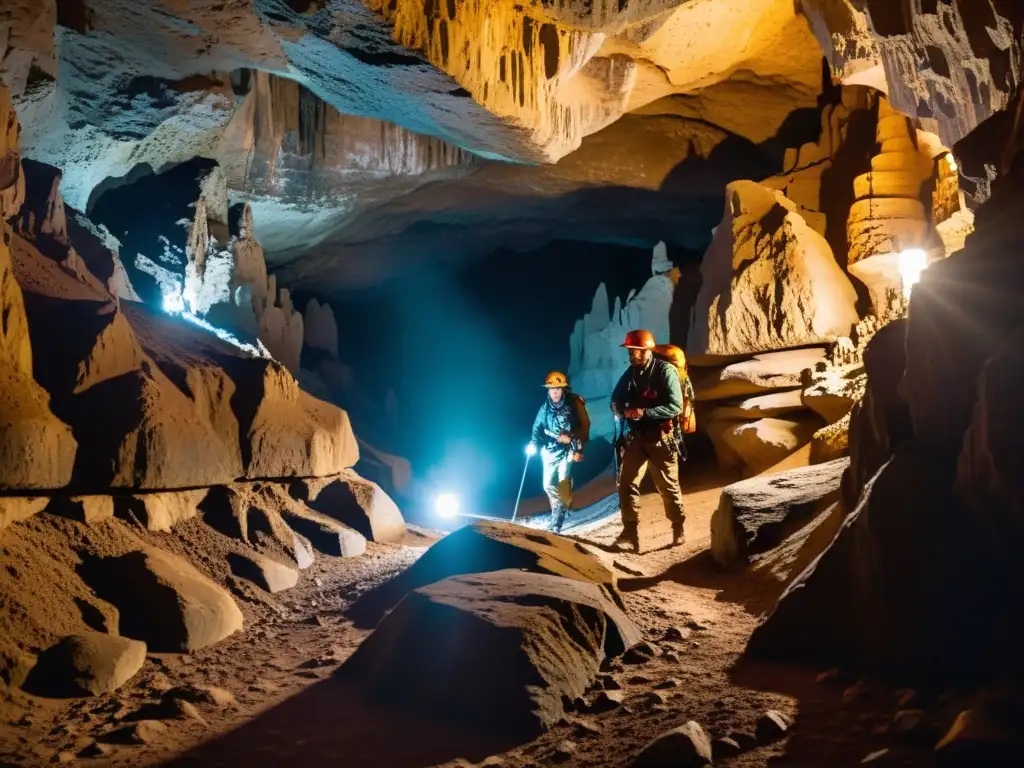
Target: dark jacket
x,y
655,388
557,421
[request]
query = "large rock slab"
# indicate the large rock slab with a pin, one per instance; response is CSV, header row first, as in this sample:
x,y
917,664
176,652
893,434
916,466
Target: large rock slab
x,y
832,393
877,598
359,503
164,601
264,572
325,533
762,444
761,374
757,514
522,643
773,404
91,663
481,548
769,280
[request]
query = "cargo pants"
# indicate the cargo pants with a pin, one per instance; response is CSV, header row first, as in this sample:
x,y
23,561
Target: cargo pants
x,y
662,458
557,479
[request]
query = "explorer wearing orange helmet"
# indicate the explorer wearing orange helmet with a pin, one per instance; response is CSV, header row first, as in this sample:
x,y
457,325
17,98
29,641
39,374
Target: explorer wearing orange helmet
x,y
649,397
559,431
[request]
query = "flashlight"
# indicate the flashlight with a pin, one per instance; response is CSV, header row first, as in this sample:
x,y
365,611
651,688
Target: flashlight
x,y
531,450
446,505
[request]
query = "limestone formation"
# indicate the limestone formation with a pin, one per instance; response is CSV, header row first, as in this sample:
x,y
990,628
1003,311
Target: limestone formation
x,y
832,392
14,509
484,547
164,601
769,281
889,216
949,66
358,503
596,357
162,511
757,514
92,663
524,642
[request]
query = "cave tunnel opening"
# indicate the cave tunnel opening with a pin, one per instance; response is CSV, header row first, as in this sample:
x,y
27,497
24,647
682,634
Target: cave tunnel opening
x,y
466,351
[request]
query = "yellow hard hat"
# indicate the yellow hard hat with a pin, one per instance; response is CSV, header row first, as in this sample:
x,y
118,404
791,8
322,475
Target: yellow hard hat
x,y
556,380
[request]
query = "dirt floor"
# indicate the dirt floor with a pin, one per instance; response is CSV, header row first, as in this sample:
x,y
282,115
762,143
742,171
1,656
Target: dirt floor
x,y
286,709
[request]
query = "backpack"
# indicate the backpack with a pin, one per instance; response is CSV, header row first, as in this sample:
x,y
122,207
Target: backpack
x,y
582,416
675,356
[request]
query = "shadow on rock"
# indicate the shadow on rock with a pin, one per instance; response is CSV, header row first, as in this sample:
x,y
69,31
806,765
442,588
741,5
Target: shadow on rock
x,y
333,723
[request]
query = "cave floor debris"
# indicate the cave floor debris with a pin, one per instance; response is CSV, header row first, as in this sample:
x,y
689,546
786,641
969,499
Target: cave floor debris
x,y
284,707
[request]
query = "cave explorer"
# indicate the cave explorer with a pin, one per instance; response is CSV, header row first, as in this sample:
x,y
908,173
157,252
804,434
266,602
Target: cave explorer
x,y
649,399
561,428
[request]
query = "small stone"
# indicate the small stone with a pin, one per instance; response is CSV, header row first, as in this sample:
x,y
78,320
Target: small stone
x,y
638,680
687,745
141,732
854,692
666,684
651,698
772,726
677,634
308,674
691,624
493,761
185,710
671,657
66,757
640,653
725,747
606,701
746,741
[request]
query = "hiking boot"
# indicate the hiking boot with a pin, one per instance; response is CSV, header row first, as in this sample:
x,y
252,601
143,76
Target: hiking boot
x,y
677,533
557,521
629,539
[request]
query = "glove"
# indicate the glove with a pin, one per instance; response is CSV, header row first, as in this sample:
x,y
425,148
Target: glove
x,y
564,439
577,457
634,414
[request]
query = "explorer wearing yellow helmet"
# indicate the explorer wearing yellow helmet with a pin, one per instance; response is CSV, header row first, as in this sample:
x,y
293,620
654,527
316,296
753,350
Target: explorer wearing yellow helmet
x,y
559,432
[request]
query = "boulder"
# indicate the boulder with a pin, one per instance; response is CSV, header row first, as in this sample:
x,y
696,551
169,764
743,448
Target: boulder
x,y
89,663
14,509
757,514
764,443
161,511
360,504
12,178
980,737
769,280
325,533
163,600
523,643
265,573
480,548
876,599
687,745
761,374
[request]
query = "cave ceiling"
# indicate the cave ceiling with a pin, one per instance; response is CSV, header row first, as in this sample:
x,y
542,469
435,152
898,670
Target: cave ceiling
x,y
370,135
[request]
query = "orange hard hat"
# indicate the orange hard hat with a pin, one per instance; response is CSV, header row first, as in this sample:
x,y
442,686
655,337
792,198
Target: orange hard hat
x,y
639,339
556,380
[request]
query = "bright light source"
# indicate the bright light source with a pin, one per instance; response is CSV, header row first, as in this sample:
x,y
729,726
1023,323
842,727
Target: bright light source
x,y
446,505
531,449
952,162
912,263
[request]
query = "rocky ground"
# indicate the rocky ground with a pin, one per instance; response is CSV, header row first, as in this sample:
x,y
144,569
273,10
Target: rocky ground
x,y
267,696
